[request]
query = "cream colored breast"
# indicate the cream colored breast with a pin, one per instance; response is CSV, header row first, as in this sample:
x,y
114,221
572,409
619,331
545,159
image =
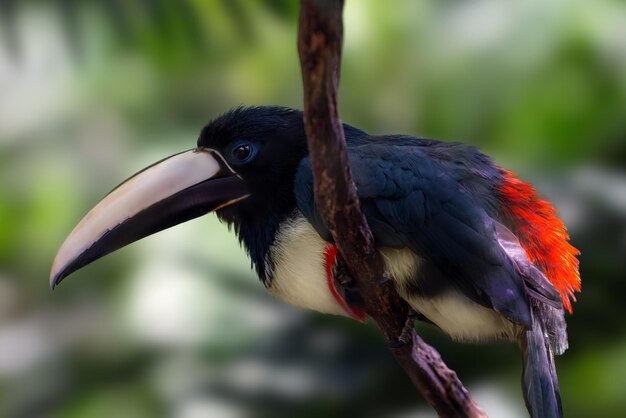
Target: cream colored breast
x,y
298,275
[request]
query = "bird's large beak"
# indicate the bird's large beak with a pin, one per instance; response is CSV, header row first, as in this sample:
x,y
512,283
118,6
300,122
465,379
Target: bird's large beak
x,y
174,190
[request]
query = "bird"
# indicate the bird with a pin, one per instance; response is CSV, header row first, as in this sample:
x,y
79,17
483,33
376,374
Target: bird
x,y
469,246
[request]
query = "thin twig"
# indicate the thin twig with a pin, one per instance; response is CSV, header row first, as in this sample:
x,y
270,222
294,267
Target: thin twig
x,y
320,40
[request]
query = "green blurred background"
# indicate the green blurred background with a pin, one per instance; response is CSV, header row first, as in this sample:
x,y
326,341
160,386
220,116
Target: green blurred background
x,y
177,325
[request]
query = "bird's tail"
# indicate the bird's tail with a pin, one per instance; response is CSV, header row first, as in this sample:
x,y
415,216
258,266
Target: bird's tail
x,y
539,380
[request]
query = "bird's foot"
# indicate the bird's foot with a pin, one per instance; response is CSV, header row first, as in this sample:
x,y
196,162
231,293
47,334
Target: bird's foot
x,y
406,334
407,330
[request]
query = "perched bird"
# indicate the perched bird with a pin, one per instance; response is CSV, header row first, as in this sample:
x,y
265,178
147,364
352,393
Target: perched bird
x,y
469,246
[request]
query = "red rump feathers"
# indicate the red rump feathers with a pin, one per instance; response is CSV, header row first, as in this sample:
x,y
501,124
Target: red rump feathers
x,y
542,234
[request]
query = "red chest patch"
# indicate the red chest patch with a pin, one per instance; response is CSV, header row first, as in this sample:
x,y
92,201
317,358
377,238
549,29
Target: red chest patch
x,y
543,236
330,257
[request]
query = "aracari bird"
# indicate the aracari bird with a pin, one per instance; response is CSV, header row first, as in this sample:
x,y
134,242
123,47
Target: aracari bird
x,y
469,246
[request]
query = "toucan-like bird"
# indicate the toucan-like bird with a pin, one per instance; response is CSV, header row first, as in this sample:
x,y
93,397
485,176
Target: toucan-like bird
x,y
469,246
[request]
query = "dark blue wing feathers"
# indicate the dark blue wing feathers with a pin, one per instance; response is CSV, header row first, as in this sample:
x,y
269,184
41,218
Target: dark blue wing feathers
x,y
305,199
412,199
438,200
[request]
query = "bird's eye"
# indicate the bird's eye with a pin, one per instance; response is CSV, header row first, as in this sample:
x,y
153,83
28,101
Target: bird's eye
x,y
243,152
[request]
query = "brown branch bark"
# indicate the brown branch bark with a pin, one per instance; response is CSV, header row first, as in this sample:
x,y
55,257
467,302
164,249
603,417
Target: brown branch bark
x,y
320,40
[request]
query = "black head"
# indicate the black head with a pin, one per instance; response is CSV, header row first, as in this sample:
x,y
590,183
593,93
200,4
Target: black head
x,y
244,169
264,145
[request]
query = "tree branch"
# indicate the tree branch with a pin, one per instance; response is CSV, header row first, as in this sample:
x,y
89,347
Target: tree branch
x,y
320,40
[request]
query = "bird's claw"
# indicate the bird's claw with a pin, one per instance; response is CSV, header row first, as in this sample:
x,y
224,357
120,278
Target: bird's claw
x,y
406,334
407,330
